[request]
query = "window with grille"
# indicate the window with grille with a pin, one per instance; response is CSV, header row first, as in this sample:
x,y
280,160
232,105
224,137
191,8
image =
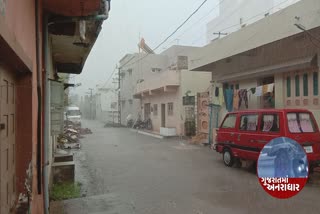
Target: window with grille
x,y
297,85
288,87
305,85
315,83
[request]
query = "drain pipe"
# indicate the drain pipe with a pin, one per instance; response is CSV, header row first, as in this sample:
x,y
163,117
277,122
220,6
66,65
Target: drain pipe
x,y
46,132
42,169
39,98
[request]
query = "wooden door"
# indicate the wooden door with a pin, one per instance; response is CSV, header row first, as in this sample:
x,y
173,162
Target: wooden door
x,y
7,141
163,115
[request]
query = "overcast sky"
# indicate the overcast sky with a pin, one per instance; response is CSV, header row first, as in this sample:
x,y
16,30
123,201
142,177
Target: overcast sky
x,y
152,19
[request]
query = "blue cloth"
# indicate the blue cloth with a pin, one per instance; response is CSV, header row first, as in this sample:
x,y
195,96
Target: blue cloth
x,y
229,99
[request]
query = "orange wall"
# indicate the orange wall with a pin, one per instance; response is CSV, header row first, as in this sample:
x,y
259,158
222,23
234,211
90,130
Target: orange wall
x,y
20,20
19,17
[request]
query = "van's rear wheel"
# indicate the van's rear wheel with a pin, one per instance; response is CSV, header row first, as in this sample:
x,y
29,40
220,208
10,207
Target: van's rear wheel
x,y
228,158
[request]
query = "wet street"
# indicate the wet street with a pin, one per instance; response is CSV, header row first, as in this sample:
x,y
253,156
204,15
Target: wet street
x,y
123,172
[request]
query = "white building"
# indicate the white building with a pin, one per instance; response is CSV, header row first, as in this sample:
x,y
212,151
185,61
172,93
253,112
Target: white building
x,y
106,101
157,87
131,74
235,14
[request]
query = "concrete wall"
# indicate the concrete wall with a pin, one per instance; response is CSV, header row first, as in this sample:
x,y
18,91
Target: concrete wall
x,y
172,121
19,17
177,50
194,81
234,12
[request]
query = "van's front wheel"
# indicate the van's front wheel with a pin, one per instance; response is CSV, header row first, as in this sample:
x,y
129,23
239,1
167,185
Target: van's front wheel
x,y
228,158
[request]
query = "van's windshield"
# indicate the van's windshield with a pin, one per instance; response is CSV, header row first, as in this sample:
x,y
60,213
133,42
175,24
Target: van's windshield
x,y
300,123
73,112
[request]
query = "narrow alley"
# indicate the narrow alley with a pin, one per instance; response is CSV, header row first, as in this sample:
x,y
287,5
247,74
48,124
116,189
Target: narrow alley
x,y
124,172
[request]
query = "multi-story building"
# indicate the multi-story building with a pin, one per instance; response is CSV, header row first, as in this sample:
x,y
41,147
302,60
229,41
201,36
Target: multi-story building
x,y
162,88
236,14
131,68
274,62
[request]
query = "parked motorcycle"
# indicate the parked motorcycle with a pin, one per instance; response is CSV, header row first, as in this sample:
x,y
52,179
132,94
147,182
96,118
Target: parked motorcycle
x,y
130,123
145,124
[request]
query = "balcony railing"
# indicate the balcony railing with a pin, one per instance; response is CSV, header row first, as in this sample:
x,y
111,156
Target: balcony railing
x,y
158,81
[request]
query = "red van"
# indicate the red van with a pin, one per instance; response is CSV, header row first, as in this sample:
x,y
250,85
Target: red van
x,y
243,134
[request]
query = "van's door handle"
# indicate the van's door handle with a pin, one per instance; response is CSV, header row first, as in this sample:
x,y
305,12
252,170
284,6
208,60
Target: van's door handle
x,y
262,141
231,134
251,141
239,135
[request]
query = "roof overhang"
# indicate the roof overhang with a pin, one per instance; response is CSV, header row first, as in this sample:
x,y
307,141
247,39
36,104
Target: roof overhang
x,y
156,91
298,64
72,7
278,26
74,26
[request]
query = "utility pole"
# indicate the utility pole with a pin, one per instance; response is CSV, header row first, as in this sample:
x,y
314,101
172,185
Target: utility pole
x,y
90,117
119,97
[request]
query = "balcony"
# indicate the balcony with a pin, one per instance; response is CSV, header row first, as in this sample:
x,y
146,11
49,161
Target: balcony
x,y
166,81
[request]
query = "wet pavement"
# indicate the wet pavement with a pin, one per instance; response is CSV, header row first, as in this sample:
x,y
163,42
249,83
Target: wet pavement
x,y
124,172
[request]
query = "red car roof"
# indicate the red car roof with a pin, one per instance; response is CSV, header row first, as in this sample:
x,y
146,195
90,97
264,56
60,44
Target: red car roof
x,y
270,110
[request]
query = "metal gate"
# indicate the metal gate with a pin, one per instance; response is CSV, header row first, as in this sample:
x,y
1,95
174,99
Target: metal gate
x,y
203,112
7,141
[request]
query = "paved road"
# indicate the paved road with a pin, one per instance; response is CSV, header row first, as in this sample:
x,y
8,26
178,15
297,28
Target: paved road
x,y
125,172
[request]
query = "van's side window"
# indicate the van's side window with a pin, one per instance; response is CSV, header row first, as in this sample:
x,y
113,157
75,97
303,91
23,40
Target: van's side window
x,y
249,122
300,123
270,123
230,121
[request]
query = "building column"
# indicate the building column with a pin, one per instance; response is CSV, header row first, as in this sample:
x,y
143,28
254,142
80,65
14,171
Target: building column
x,y
279,90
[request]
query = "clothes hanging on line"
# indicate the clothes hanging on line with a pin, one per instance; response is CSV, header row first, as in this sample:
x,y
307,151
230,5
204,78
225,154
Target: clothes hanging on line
x,y
270,88
235,100
243,96
253,90
229,99
221,97
215,98
216,93
258,91
264,89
